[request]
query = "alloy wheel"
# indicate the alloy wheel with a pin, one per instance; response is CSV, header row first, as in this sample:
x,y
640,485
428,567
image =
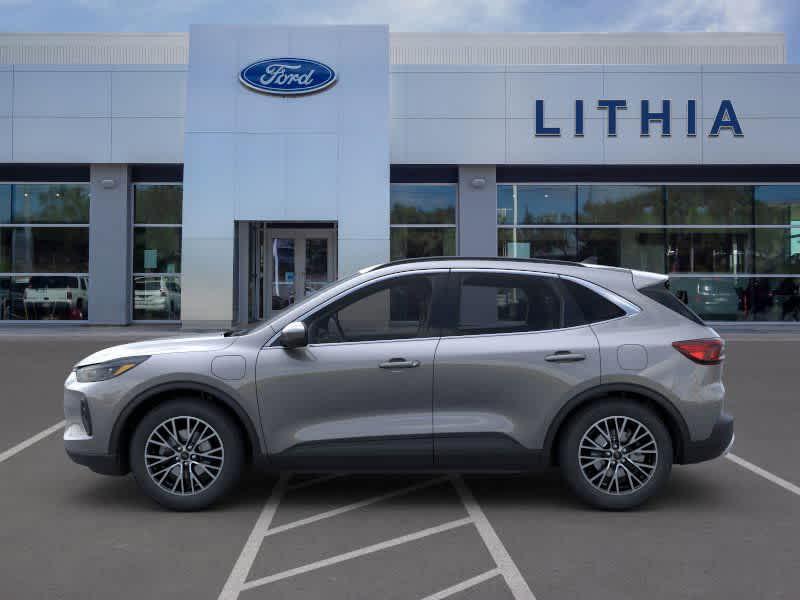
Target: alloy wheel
x,y
618,455
184,455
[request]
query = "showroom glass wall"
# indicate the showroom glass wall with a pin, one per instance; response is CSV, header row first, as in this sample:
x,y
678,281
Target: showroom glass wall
x,y
44,251
156,285
423,219
732,252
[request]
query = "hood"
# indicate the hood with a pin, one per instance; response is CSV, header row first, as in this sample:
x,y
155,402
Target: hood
x,y
204,343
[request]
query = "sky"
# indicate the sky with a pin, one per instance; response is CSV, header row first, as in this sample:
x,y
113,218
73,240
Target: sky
x,y
414,15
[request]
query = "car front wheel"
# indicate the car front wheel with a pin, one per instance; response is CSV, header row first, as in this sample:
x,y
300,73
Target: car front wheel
x,y
615,455
186,454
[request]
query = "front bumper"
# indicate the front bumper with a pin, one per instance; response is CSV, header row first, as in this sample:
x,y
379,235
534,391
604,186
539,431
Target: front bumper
x,y
105,464
717,444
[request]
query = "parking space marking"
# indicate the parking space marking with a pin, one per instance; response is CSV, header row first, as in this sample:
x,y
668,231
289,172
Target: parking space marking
x,y
464,585
511,573
355,506
241,568
417,535
31,441
764,473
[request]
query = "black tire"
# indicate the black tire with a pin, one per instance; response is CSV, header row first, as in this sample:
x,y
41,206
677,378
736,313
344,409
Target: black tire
x,y
579,482
230,438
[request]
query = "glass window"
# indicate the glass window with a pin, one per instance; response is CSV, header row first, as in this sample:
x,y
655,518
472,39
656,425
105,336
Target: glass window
x,y
419,242
709,205
777,205
44,249
423,220
620,204
778,250
396,309
641,249
582,305
501,303
418,204
157,213
44,204
535,204
710,251
158,204
156,297
157,249
554,244
660,292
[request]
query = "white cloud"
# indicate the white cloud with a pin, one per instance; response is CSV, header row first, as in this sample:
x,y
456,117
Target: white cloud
x,y
704,15
416,15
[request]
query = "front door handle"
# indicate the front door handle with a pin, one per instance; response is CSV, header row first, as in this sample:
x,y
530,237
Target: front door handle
x,y
399,363
565,356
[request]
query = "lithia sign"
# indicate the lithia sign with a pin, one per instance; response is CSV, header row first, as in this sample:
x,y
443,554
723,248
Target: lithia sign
x,y
725,120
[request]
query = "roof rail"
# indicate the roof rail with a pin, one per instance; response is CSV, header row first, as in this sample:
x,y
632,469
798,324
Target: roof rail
x,y
547,261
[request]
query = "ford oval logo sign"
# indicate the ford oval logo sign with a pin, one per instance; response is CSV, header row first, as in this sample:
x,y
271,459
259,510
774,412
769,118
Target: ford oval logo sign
x,y
287,76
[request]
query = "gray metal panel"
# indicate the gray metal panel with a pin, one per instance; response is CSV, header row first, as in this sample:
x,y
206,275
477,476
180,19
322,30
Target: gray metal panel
x,y
477,212
109,235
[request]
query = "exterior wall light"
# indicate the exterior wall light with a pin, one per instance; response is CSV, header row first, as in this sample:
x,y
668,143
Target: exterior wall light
x,y
478,182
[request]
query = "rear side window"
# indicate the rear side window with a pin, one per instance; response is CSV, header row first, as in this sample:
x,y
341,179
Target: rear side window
x,y
661,294
582,305
503,303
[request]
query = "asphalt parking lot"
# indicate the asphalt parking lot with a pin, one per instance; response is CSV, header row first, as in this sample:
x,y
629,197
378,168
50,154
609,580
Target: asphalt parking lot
x,y
721,531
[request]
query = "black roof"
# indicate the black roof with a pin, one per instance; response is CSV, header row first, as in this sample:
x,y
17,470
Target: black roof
x,y
547,261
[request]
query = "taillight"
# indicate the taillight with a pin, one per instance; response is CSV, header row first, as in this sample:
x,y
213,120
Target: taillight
x,y
69,294
705,352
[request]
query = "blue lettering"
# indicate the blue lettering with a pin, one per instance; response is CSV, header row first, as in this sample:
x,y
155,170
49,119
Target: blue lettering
x,y
691,118
663,116
578,118
612,106
541,130
726,119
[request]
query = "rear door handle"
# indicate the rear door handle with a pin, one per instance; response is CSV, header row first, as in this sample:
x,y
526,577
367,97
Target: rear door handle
x,y
399,363
565,356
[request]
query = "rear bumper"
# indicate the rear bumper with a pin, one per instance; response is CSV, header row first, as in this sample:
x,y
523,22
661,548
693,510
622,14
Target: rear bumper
x,y
717,444
105,464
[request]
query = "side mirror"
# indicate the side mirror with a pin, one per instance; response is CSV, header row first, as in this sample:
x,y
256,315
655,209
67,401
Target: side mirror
x,y
294,335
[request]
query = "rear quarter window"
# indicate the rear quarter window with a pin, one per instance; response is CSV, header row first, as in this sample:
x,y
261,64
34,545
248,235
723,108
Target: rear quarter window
x,y
583,306
660,293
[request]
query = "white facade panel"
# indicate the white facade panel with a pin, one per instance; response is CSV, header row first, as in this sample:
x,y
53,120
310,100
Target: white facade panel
x,y
6,91
677,87
148,93
753,94
79,93
630,148
210,94
5,139
558,90
264,154
147,140
209,179
524,148
367,218
311,177
765,141
473,95
454,141
76,140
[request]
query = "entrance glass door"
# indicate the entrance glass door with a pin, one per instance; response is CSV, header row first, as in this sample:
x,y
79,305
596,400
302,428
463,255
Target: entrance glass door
x,y
299,262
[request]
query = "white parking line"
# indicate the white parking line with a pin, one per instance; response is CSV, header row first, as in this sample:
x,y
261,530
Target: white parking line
x,y
355,506
464,585
763,473
356,553
241,569
514,579
31,441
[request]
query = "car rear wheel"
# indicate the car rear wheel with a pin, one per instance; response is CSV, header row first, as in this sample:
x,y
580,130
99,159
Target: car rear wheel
x,y
615,455
186,454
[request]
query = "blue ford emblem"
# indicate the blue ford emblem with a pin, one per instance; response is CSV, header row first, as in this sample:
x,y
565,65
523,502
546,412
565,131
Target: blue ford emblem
x,y
287,76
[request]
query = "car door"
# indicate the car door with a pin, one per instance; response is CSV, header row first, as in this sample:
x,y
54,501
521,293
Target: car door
x,y
509,357
360,394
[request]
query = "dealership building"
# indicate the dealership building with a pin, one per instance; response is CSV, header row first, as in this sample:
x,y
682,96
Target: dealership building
x,y
216,176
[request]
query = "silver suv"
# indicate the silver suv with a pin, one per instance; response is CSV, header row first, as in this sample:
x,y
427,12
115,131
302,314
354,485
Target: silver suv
x,y
419,365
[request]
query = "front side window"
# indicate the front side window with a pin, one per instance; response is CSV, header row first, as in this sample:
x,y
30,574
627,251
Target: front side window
x,y
157,215
399,308
423,220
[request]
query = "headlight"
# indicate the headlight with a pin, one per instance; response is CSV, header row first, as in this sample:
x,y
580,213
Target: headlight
x,y
107,370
